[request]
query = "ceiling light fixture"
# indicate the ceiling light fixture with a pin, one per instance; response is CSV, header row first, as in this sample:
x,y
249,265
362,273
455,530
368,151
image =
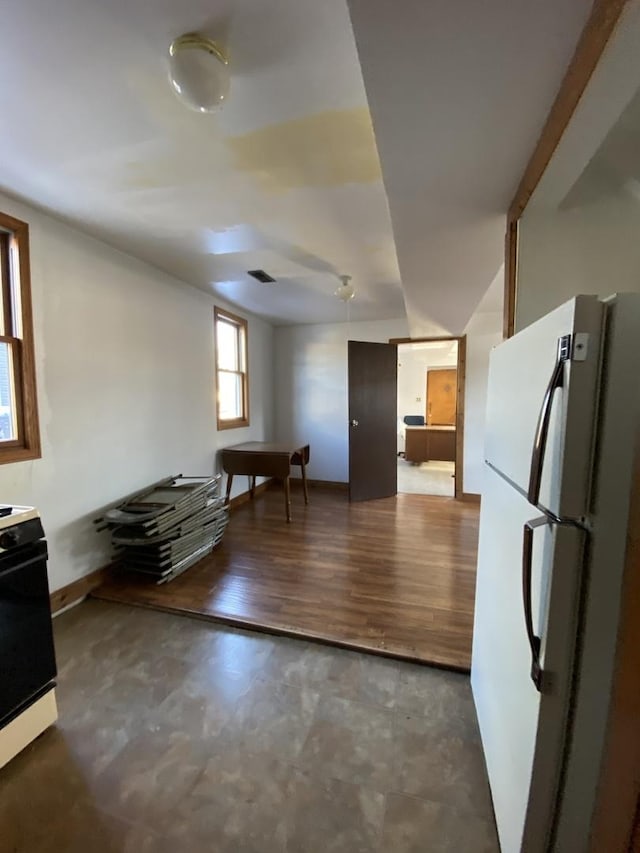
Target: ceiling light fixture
x,y
198,72
346,291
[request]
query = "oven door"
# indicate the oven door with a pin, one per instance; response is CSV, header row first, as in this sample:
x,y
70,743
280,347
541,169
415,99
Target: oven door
x,y
27,659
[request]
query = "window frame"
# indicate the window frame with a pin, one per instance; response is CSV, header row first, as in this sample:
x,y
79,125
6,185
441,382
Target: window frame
x,y
243,341
17,305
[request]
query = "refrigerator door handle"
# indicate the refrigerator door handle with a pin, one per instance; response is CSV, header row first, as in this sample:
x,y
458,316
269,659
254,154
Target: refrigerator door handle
x,y
537,673
544,419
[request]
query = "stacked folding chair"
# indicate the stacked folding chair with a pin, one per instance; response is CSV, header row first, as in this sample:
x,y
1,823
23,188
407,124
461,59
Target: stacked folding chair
x,y
166,528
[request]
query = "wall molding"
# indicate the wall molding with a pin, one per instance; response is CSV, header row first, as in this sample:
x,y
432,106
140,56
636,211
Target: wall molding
x,y
76,591
471,497
244,497
329,484
313,484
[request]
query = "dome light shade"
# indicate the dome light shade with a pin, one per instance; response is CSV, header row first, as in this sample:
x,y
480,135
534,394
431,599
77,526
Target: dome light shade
x,y
346,291
198,72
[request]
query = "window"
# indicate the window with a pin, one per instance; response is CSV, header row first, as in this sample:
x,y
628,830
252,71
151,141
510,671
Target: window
x,y
232,376
19,430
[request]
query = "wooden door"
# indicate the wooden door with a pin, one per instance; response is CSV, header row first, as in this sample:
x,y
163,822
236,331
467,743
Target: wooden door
x,y
441,397
373,402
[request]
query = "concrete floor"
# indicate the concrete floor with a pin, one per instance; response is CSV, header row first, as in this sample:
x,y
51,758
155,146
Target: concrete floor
x,y
181,735
427,478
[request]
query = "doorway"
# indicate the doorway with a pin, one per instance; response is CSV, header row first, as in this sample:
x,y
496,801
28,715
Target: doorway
x,y
429,416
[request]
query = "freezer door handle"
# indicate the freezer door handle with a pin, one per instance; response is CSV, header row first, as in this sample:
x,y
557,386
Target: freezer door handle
x,y
537,673
544,419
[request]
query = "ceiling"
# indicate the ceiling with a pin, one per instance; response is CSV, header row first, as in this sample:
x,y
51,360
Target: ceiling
x,y
458,93
287,177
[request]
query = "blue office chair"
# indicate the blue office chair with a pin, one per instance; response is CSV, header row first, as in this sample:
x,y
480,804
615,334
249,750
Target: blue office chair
x,y
410,420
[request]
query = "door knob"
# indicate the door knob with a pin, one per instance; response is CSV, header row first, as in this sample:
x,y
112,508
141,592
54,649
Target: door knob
x,y
354,422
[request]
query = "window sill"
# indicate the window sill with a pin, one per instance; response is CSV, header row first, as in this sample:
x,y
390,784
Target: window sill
x,y
236,424
18,454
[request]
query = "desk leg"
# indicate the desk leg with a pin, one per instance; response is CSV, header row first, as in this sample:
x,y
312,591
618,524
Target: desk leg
x,y
287,498
252,485
229,484
303,468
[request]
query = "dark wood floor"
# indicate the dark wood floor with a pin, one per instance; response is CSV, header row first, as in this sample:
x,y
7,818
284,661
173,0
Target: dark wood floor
x,y
394,576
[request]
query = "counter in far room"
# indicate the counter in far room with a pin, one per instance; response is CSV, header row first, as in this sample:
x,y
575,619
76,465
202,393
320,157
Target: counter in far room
x,y
426,443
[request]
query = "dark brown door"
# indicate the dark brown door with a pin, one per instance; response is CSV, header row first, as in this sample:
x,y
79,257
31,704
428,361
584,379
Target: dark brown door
x,y
373,402
442,387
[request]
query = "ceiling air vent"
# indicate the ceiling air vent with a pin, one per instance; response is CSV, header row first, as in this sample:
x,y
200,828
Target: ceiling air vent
x,y
261,275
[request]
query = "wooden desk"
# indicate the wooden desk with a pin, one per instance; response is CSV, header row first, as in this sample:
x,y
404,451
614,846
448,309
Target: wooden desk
x,y
425,443
266,459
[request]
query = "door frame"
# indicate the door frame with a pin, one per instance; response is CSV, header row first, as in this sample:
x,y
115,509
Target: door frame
x,y
461,380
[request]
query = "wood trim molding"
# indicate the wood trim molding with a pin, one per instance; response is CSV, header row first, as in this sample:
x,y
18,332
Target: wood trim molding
x,y
77,590
595,35
29,388
243,324
29,446
462,374
471,497
10,223
510,278
244,497
295,482
327,484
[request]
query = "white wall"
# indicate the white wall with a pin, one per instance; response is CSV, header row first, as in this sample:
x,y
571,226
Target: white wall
x,y
312,404
484,332
413,364
594,248
125,372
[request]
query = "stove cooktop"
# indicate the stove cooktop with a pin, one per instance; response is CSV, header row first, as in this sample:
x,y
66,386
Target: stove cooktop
x,y
10,515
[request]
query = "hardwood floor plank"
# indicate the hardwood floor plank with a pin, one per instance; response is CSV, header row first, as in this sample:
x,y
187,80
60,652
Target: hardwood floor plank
x,y
394,576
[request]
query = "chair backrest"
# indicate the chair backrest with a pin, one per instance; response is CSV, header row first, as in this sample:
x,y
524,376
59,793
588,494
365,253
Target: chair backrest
x,y
414,420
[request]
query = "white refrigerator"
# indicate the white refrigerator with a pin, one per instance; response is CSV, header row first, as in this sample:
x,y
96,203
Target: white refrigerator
x,y
563,420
